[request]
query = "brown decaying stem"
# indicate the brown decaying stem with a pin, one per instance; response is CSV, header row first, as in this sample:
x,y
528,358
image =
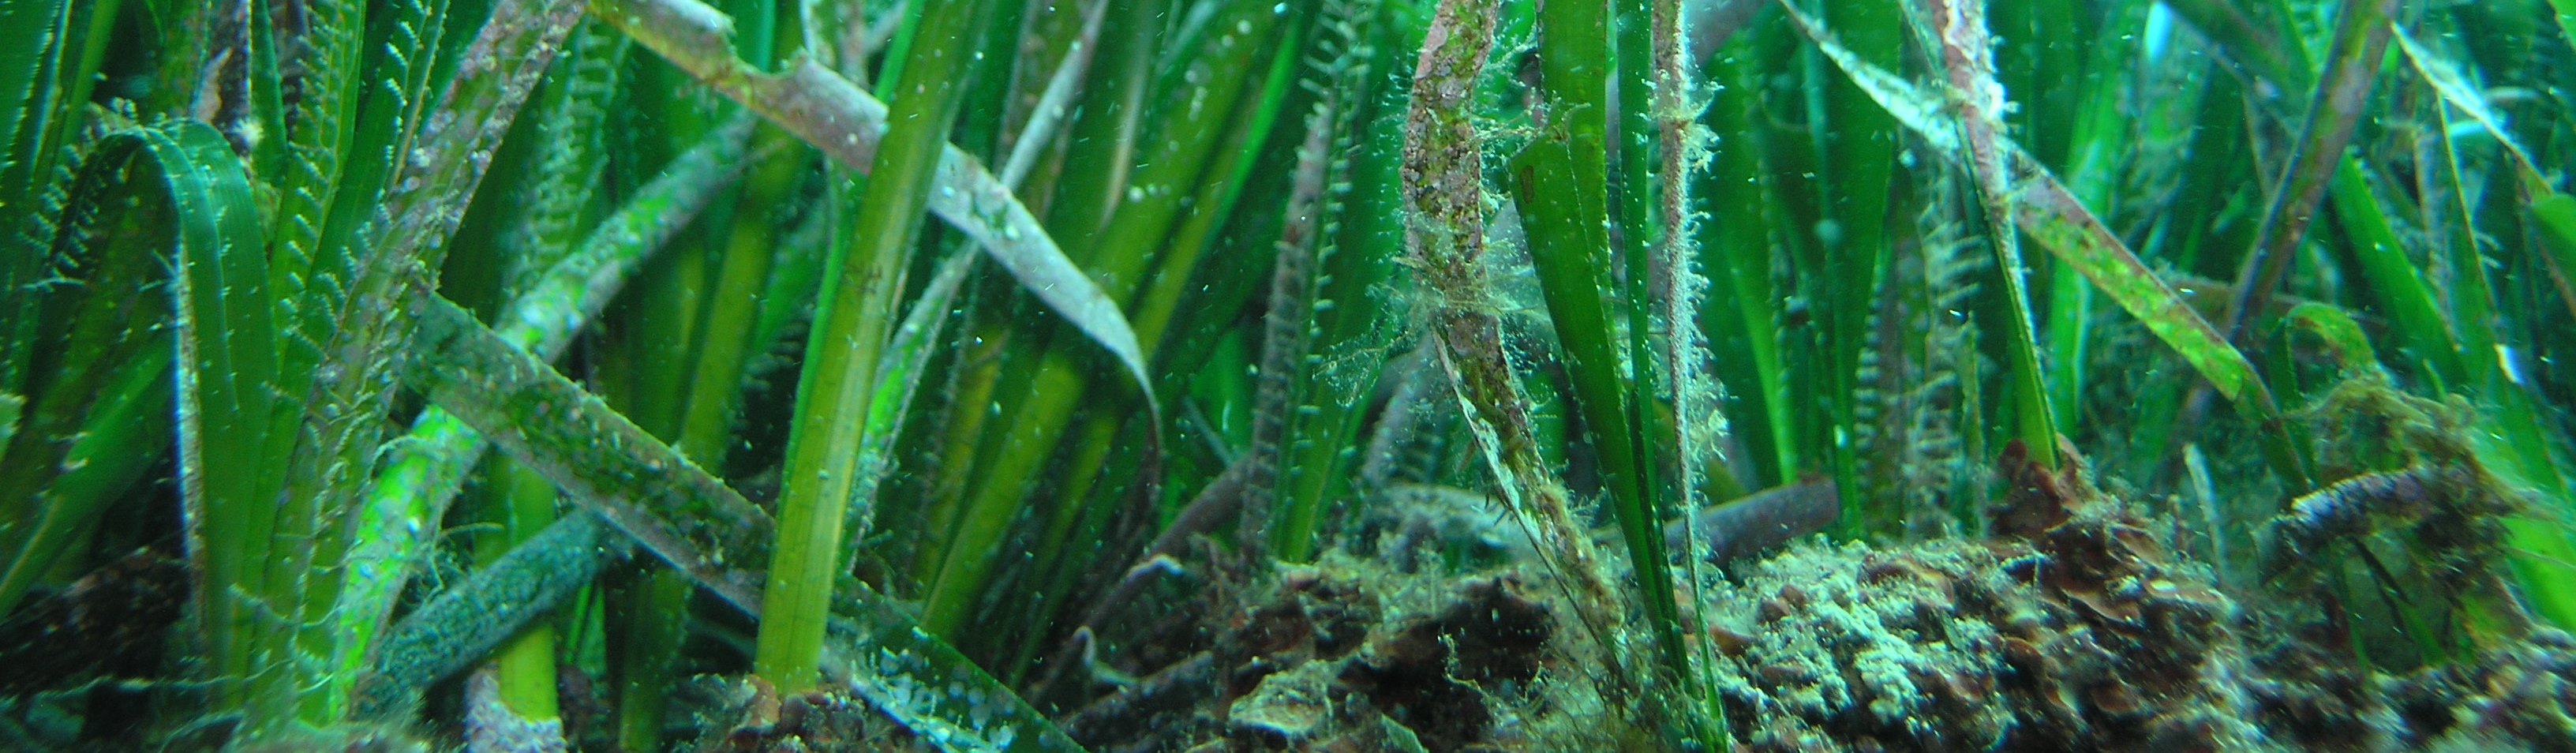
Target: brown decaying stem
x,y
1443,174
2332,112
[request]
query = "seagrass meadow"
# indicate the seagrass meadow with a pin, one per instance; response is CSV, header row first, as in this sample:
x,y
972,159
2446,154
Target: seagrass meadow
x,y
1287,375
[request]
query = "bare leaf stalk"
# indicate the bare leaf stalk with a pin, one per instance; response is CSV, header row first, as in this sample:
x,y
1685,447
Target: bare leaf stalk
x,y
1697,423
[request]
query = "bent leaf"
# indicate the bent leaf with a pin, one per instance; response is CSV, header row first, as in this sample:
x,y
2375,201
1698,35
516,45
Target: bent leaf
x,y
2054,217
225,338
2338,330
428,467
591,452
704,529
831,113
2456,90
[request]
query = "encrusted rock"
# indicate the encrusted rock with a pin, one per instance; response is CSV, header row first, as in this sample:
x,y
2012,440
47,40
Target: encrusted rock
x,y
2071,631
2078,628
